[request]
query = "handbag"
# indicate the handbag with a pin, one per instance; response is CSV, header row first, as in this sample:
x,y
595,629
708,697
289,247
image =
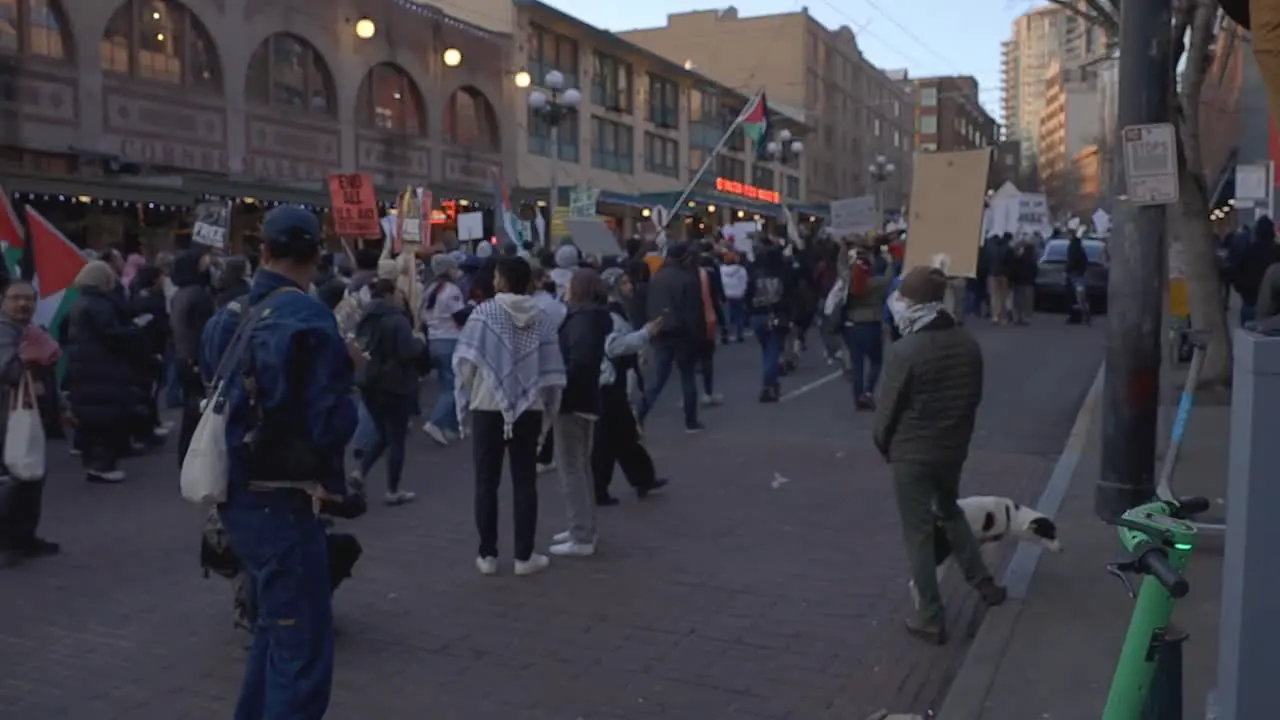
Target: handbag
x,y
206,466
24,441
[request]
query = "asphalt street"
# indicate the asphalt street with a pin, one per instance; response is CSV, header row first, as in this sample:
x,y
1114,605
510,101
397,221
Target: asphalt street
x,y
768,581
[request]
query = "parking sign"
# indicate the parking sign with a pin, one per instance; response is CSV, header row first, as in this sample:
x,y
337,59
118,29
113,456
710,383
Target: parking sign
x,y
1151,164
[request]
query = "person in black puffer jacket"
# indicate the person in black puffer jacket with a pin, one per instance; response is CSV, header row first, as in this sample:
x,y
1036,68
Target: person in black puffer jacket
x,y
103,348
148,304
582,339
192,307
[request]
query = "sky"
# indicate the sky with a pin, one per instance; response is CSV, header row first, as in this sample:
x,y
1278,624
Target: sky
x,y
927,37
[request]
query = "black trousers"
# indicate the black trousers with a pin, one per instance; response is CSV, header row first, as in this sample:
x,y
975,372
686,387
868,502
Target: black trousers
x,y
192,395
617,442
20,505
488,445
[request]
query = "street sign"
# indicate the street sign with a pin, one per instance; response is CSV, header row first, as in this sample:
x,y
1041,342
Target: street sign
x,y
1151,164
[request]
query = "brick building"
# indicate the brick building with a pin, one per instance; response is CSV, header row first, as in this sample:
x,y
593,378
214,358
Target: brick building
x,y
949,115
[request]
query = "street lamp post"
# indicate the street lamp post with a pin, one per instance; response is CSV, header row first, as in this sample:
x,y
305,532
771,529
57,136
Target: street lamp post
x,y
783,148
880,171
554,106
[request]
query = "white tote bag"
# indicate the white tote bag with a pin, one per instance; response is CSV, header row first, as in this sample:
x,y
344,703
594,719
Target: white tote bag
x,y
204,468
24,442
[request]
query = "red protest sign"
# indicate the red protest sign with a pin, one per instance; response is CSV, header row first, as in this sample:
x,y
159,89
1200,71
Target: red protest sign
x,y
355,205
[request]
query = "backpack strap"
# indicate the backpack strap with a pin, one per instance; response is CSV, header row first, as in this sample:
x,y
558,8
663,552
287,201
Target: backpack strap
x,y
240,339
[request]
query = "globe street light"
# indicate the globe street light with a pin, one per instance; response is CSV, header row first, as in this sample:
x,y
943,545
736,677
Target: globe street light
x,y
784,148
553,106
880,171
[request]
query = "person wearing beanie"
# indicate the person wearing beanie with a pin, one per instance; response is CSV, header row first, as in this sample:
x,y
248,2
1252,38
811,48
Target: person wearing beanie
x,y
925,411
567,259
444,312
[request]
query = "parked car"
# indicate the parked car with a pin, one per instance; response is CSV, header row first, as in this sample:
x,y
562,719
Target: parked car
x,y
1052,292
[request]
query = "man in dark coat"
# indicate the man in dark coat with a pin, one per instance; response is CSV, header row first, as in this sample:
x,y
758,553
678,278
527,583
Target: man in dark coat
x,y
675,295
925,410
193,305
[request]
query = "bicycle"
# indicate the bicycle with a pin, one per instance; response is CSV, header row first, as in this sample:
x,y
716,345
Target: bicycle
x,y
1159,540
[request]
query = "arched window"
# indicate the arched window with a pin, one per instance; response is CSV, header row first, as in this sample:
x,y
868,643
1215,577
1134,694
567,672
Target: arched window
x,y
34,27
389,100
471,122
286,72
161,40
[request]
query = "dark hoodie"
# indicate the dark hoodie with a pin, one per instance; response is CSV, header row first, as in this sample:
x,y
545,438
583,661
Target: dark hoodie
x,y
1257,258
386,334
582,337
192,306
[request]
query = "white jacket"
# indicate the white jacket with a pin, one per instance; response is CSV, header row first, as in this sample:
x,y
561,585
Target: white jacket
x,y
734,279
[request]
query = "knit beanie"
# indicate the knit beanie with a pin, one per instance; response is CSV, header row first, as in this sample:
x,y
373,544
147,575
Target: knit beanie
x,y
923,285
442,264
567,257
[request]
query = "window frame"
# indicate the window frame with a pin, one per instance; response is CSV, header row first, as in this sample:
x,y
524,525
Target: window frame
x,y
613,133
664,102
411,96
656,149
24,28
192,31
327,79
612,84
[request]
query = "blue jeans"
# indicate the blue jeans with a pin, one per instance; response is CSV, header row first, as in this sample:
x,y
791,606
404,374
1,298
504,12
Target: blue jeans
x,y
866,349
445,415
172,385
735,318
681,353
281,546
366,428
391,421
772,343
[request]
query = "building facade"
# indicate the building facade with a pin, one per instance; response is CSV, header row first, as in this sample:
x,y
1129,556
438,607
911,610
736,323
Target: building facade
x,y
1039,38
857,112
949,115
163,100
643,130
1069,124
1006,166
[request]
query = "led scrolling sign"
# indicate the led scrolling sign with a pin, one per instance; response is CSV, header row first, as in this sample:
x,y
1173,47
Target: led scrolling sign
x,y
750,192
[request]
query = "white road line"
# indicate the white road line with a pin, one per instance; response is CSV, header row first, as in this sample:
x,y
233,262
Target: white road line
x,y
811,386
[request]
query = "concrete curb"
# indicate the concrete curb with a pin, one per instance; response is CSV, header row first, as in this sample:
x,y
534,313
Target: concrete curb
x,y
968,692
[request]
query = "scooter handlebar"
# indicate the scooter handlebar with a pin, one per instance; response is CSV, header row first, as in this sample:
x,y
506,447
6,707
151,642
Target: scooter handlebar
x,y
1155,562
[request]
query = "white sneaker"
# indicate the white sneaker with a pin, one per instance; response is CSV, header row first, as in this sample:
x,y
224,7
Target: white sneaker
x,y
160,431
573,549
535,564
487,565
563,537
712,399
436,434
544,468
399,498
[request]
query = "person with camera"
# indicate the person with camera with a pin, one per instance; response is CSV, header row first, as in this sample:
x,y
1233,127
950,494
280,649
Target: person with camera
x,y
288,377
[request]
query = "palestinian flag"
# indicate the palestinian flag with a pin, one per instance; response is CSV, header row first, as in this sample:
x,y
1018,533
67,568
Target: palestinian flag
x,y
57,262
754,121
12,242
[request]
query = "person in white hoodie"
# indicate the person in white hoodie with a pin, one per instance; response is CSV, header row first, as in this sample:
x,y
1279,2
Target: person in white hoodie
x,y
733,276
509,374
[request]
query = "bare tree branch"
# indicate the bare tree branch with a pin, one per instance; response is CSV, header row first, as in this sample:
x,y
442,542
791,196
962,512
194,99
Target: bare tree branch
x,y
1097,13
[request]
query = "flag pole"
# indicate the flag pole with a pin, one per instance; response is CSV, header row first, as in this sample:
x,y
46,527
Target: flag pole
x,y
712,155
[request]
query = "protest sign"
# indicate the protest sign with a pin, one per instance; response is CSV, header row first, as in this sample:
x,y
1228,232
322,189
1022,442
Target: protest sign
x,y
355,205
211,223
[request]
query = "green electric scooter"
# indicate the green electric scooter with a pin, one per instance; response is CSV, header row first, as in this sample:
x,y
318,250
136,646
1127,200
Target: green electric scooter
x,y
1158,540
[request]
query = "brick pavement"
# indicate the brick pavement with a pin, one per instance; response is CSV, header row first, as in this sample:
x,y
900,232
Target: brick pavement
x,y
726,597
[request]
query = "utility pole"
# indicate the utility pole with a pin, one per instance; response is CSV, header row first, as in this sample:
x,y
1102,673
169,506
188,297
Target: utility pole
x,y
1135,321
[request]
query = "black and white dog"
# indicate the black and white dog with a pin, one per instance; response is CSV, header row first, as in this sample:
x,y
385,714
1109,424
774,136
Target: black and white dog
x,y
992,519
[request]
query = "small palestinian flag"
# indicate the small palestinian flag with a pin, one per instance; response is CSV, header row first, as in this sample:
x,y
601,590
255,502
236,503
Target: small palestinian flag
x,y
755,122
12,237
57,262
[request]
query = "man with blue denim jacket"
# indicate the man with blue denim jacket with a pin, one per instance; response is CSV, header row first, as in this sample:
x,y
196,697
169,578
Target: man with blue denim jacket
x,y
302,374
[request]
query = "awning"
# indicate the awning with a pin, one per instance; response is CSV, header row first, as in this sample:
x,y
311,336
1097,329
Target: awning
x,y
606,196
162,190
713,198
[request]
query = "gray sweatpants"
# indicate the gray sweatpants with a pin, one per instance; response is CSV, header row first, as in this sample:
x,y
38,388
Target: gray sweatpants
x,y
573,459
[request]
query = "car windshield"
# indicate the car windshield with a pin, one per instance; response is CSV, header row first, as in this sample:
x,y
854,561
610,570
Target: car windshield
x,y
1056,251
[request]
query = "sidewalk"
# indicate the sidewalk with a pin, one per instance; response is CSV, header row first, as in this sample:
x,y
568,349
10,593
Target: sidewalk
x,y
1050,654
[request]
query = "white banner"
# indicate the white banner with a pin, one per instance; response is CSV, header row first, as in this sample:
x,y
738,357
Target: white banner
x,y
854,215
1018,215
470,225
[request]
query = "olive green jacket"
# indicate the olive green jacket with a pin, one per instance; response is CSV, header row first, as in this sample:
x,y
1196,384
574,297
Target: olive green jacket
x,y
929,394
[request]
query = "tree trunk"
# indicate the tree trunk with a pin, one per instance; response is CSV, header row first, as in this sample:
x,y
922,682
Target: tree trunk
x,y
1204,286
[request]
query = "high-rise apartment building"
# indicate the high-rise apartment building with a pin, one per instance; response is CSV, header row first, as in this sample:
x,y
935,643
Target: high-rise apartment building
x,y
858,112
1039,38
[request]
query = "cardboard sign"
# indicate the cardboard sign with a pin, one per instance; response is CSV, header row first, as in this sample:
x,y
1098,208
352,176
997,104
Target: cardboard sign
x,y
355,205
947,190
